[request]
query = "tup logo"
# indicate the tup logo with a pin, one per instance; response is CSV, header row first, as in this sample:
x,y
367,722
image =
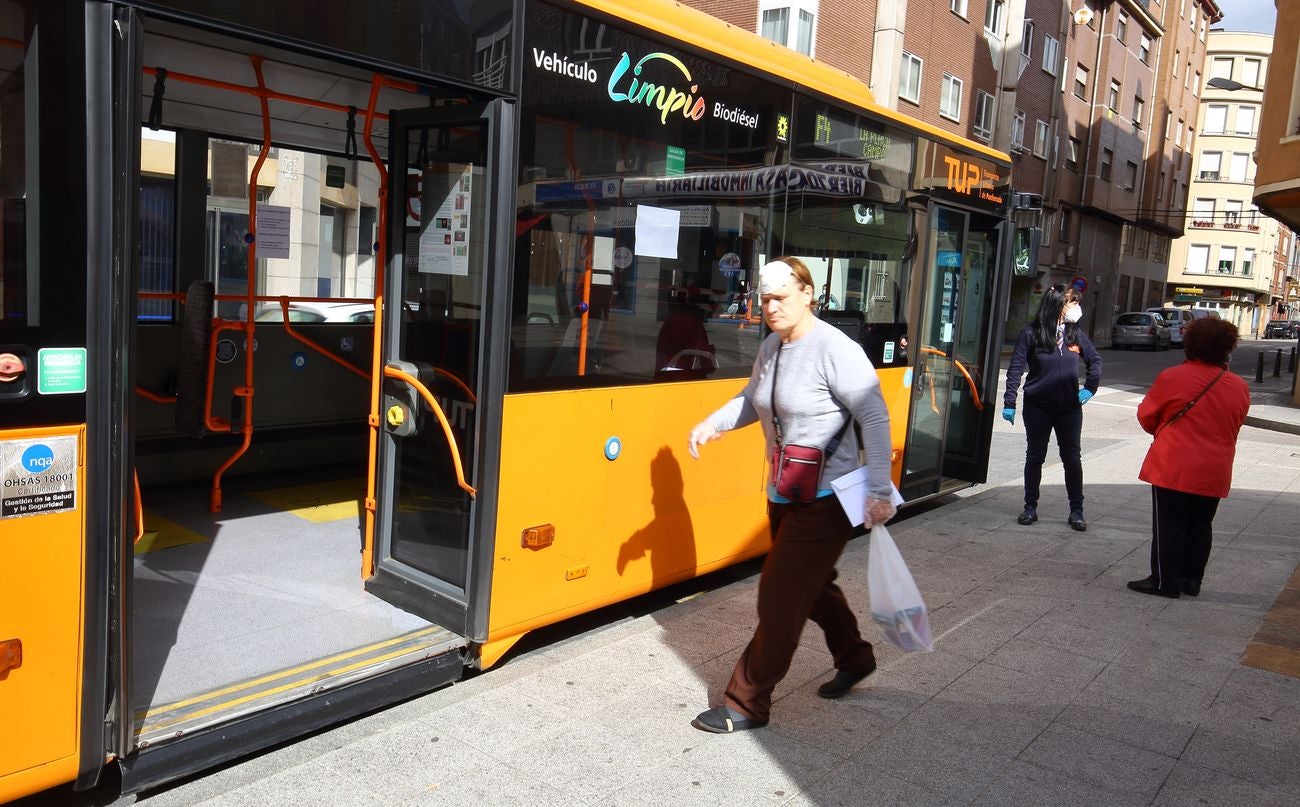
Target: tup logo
x,y
38,459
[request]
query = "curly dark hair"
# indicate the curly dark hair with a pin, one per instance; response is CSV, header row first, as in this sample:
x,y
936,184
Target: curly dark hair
x,y
1209,340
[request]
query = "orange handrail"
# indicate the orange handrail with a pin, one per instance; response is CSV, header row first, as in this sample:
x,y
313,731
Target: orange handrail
x,y
139,508
432,402
155,397
327,353
260,91
970,382
250,330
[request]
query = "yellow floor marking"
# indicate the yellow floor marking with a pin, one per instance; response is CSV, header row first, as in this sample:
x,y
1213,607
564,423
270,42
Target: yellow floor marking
x,y
319,503
161,533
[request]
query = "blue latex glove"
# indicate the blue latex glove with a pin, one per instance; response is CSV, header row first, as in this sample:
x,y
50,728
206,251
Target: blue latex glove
x,y
1084,396
1009,415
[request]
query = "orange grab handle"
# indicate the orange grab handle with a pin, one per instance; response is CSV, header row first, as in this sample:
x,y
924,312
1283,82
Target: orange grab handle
x,y
391,372
139,508
970,382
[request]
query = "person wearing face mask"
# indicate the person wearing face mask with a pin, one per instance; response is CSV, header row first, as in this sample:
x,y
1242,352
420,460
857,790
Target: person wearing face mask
x,y
1050,348
809,384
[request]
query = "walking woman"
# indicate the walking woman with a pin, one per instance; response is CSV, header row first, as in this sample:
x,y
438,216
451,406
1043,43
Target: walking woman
x,y
1195,411
810,383
1051,347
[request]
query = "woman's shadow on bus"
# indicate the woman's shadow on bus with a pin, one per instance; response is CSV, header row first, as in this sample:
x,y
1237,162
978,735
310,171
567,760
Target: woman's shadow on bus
x,y
669,538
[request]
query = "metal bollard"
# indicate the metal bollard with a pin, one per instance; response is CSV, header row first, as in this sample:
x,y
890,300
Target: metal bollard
x,y
1259,369
1277,364
1291,366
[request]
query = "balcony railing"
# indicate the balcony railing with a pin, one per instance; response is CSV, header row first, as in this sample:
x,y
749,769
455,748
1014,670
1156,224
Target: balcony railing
x,y
1227,225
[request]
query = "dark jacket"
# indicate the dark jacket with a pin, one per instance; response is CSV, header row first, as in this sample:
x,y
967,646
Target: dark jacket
x,y
1053,378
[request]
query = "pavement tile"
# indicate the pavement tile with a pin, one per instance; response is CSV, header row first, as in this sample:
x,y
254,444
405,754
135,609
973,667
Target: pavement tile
x,y
927,673
1157,727
1003,728
1023,784
1245,758
853,785
767,761
1104,642
1068,671
955,771
833,726
1190,784
683,786
588,759
490,784
1107,763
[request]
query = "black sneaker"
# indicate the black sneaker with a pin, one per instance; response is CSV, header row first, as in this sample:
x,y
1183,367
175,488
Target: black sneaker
x,y
1076,521
1028,517
843,683
1147,585
725,720
1189,586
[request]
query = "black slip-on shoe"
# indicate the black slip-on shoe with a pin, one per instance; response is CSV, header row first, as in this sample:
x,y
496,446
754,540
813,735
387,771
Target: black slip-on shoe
x,y
1189,586
725,720
1076,522
1148,585
843,683
1028,517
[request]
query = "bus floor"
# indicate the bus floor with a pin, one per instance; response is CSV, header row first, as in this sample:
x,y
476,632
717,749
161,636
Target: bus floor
x,y
258,601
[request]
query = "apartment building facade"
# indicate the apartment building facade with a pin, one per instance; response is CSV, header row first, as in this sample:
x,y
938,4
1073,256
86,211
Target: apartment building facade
x,y
1277,155
1225,260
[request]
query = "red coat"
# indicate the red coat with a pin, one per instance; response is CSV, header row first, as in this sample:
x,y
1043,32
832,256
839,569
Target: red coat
x,y
1195,453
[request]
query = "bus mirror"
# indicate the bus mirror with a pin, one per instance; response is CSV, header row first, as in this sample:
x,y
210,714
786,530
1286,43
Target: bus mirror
x,y
1025,250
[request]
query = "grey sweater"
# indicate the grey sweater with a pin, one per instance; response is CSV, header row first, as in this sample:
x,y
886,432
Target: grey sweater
x,y
824,376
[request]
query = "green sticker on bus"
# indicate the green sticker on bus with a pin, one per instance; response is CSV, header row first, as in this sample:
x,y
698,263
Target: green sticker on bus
x,y
675,161
61,370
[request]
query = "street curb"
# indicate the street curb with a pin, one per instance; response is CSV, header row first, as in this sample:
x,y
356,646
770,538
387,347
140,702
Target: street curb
x,y
1273,425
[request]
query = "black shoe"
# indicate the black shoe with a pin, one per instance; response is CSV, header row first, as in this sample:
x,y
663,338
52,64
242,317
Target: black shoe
x,y
725,720
1147,585
1076,521
1189,586
1028,517
843,683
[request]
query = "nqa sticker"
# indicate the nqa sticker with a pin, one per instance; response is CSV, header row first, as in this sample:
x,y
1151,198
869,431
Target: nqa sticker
x,y
38,477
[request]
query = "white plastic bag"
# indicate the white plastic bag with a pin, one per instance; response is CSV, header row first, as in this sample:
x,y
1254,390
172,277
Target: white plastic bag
x,y
896,604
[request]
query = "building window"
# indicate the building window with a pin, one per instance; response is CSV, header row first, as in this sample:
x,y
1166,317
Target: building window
x,y
950,97
909,80
984,115
993,16
1216,118
1221,67
1144,49
1160,188
1027,40
1198,258
1238,167
1064,233
1169,122
1018,129
1250,72
1227,260
1247,260
1121,27
774,23
1203,211
1112,99
958,7
1107,157
1196,83
1130,175
1160,248
1245,120
1051,54
1040,139
1139,108
1080,81
1210,166
1178,57
1072,147
1232,211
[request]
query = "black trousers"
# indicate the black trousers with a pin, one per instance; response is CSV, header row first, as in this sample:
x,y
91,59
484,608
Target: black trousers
x,y
798,584
1182,531
1040,422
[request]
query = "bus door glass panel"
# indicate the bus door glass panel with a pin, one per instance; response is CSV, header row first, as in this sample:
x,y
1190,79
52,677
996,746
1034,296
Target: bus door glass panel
x,y
934,367
967,419
439,177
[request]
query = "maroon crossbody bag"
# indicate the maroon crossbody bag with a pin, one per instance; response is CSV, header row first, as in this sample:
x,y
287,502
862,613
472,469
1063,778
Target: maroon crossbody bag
x,y
796,469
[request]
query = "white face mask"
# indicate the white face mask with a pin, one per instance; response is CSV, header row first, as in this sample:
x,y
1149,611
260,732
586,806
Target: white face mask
x,y
1074,313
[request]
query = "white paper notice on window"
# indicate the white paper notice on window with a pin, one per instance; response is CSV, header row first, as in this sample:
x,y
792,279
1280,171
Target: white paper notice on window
x,y
272,231
851,490
656,231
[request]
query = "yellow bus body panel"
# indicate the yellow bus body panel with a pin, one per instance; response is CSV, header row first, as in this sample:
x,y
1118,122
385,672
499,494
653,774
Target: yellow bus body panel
x,y
651,517
42,598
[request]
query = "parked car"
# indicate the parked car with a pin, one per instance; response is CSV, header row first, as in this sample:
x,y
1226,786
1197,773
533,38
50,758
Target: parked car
x,y
1177,319
1140,329
1282,329
305,312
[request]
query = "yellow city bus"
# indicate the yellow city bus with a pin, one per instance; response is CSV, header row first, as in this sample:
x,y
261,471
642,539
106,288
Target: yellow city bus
x,y
343,344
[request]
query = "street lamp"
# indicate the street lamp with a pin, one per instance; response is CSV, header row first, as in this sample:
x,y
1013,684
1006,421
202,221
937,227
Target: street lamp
x,y
1221,83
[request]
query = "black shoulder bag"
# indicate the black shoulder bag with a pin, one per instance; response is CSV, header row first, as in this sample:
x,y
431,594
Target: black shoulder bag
x,y
797,469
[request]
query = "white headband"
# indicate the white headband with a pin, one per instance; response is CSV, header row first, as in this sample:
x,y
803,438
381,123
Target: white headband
x,y
774,276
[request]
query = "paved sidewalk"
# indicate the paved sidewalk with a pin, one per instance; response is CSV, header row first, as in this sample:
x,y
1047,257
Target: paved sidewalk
x,y
1051,683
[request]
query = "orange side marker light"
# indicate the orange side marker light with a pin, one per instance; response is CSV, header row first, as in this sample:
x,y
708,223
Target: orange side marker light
x,y
538,537
11,656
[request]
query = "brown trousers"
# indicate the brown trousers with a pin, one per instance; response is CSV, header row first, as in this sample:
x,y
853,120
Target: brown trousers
x,y
798,584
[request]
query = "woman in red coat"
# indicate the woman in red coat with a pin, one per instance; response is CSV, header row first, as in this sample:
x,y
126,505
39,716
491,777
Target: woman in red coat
x,y
1195,411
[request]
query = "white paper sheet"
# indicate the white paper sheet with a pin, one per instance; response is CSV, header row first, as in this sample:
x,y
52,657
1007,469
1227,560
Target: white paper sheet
x,y
656,231
851,490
